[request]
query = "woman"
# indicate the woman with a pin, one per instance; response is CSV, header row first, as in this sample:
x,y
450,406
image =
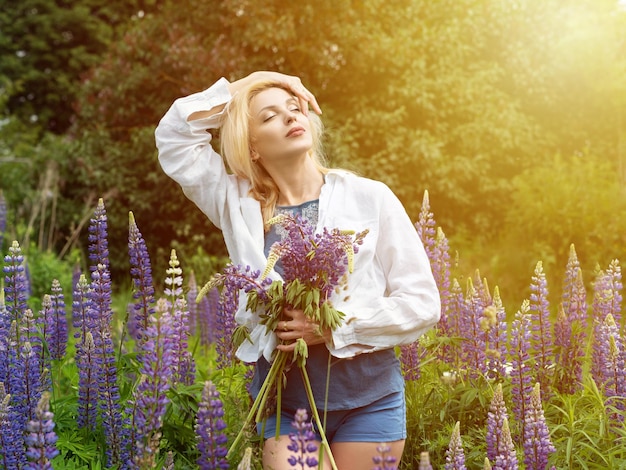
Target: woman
x,y
271,143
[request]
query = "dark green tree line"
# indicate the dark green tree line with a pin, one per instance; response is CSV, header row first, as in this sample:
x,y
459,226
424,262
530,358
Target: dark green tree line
x,y
470,99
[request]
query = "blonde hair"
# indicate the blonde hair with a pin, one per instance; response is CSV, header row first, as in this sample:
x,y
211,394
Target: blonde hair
x,y
235,146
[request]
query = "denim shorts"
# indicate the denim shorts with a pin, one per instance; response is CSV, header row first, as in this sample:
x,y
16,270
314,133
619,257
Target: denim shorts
x,y
381,421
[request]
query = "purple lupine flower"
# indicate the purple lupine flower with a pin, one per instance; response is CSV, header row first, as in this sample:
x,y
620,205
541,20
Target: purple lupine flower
x,y
184,365
31,333
11,433
537,443
210,428
425,226
150,399
614,274
620,381
609,352
521,370
57,343
233,279
455,456
192,294
41,438
16,287
5,327
141,274
570,350
473,348
99,323
81,305
602,355
318,261
454,327
411,356
507,459
570,328
607,295
541,327
495,324
203,315
302,445
495,418
86,363
383,461
441,269
225,327
3,216
574,296
425,462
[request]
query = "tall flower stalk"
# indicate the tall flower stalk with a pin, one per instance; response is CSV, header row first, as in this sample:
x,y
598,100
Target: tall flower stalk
x,y
541,327
16,287
141,274
537,443
210,427
57,343
521,370
455,455
149,400
314,265
99,323
183,364
507,458
41,438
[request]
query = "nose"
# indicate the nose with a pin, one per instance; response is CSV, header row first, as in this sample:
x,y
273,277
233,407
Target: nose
x,y
290,117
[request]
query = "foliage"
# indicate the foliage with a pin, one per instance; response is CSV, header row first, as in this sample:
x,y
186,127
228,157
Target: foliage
x,y
460,97
45,47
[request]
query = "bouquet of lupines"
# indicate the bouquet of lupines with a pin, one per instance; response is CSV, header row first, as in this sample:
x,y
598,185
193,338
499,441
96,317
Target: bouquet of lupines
x,y
314,266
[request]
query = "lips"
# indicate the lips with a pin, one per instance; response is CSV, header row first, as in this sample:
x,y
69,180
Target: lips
x,y
296,131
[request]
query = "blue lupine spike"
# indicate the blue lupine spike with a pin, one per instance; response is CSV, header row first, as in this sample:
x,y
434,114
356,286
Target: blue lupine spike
x,y
41,438
149,399
11,435
184,365
99,323
537,443
57,343
210,428
541,327
303,442
521,370
3,216
86,363
141,275
16,286
455,455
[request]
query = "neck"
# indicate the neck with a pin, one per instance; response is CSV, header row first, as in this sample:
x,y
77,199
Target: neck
x,y
298,184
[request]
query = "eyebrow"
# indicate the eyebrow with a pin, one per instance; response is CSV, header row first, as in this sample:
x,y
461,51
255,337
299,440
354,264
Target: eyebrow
x,y
274,106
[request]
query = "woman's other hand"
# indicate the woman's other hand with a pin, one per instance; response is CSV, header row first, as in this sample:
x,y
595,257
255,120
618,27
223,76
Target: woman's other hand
x,y
296,325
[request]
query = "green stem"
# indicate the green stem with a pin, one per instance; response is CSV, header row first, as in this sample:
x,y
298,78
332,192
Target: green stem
x,y
318,422
261,398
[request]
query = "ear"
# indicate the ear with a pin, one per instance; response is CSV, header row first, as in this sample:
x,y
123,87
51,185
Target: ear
x,y
254,155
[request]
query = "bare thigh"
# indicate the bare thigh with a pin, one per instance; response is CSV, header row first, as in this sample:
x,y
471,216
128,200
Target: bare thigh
x,y
276,454
347,455
351,455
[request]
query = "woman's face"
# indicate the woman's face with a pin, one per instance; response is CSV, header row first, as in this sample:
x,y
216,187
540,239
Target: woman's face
x,y
278,128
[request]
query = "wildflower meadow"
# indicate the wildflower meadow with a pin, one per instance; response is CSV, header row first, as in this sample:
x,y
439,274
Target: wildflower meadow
x,y
95,377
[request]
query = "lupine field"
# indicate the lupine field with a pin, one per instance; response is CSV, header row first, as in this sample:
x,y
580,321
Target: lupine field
x,y
98,379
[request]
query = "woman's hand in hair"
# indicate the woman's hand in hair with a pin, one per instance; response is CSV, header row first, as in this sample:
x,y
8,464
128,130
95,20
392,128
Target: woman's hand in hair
x,y
305,97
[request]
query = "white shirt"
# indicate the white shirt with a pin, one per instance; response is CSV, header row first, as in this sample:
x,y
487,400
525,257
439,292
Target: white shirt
x,y
391,297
